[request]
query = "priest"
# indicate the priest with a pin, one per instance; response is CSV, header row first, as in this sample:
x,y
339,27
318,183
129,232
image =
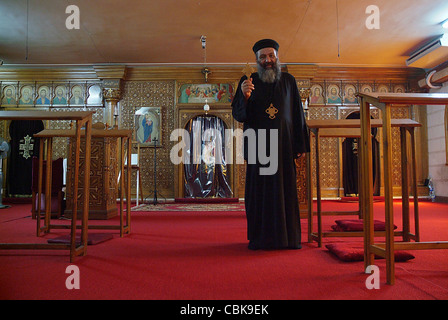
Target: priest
x,y
269,105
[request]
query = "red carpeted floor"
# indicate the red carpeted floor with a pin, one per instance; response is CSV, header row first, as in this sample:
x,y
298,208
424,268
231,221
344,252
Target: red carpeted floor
x,y
184,255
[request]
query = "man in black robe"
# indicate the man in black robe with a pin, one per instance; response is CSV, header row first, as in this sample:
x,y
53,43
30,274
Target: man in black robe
x,y
270,100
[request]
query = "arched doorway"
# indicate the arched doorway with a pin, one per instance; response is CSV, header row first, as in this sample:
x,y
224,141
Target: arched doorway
x,y
207,173
350,162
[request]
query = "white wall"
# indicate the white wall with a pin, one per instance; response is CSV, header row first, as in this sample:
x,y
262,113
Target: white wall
x,y
438,170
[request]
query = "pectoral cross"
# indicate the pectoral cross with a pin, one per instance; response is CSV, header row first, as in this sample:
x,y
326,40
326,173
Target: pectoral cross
x,y
26,147
248,70
271,111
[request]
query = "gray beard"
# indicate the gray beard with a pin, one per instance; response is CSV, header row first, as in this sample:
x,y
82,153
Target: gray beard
x,y
270,75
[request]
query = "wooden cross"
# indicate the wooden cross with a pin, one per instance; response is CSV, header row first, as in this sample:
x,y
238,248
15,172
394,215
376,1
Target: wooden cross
x,y
248,70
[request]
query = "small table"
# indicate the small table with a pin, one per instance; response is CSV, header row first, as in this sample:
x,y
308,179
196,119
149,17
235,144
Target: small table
x,y
81,118
385,101
126,142
350,128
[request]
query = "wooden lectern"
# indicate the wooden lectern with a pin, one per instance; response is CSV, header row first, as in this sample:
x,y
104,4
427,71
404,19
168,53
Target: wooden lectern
x,y
104,172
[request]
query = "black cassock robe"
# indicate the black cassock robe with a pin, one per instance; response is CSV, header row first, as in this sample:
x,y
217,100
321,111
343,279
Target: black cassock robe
x,y
272,209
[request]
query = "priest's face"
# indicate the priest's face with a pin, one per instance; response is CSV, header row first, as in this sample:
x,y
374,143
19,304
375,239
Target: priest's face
x,y
268,65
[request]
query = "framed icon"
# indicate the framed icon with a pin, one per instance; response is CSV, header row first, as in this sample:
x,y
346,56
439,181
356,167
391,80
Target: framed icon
x,y
148,126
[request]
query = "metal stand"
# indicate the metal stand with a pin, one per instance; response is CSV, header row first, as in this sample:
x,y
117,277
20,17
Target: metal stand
x,y
155,201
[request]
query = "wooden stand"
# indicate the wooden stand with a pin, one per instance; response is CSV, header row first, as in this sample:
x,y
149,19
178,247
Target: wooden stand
x,y
104,170
351,129
81,118
385,102
126,141
136,166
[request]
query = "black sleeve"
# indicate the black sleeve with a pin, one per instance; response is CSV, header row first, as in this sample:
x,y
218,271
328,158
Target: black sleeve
x,y
301,131
239,104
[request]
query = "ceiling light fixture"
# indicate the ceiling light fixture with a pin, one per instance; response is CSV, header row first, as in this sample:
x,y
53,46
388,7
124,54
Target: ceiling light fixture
x,y
430,53
444,40
205,71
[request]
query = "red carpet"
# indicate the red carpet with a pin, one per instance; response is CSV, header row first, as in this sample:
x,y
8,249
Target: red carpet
x,y
356,199
184,255
206,200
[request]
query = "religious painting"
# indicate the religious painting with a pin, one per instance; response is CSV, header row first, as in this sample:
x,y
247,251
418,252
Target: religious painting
x,y
208,92
148,126
43,96
95,97
350,94
77,97
366,88
60,96
316,96
333,94
26,96
9,96
382,88
399,89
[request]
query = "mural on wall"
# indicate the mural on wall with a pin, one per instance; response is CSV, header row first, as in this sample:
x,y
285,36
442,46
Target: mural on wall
x,y
9,96
334,94
207,92
317,94
366,88
344,92
350,94
40,95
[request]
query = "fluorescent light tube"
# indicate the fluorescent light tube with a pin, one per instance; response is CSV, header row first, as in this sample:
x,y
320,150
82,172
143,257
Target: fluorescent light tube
x,y
445,24
444,40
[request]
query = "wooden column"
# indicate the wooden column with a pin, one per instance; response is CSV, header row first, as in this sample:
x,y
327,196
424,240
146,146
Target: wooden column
x,y
112,114
112,77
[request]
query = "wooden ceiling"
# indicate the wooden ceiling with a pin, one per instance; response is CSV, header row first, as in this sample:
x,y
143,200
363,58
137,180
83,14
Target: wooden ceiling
x,y
324,32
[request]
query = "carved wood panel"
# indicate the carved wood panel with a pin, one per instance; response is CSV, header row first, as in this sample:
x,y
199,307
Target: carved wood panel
x,y
103,178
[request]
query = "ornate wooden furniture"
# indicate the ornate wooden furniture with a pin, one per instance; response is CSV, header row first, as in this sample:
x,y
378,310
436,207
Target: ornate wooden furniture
x,y
351,129
126,140
81,118
385,102
103,174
